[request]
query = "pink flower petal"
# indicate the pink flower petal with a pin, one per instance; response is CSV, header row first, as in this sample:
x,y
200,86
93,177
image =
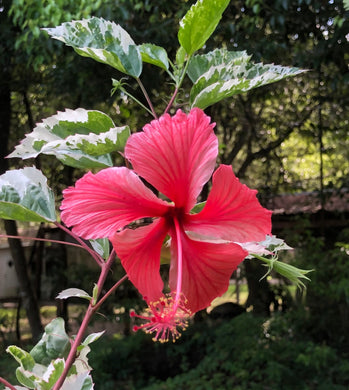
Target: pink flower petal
x,y
207,268
232,211
100,204
176,155
139,251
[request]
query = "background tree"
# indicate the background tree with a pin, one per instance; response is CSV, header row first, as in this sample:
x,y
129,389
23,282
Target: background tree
x,y
290,136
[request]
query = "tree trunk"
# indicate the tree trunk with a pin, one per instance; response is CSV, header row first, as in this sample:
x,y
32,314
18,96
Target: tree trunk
x,y
28,298
260,295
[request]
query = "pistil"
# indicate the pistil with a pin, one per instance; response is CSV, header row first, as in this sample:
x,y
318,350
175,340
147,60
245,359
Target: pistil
x,y
168,316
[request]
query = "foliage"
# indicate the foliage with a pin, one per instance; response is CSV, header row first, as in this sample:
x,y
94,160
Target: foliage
x,y
79,138
243,353
31,16
330,264
44,364
85,138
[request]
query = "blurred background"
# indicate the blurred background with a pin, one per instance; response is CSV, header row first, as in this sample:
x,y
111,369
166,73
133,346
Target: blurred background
x,y
289,140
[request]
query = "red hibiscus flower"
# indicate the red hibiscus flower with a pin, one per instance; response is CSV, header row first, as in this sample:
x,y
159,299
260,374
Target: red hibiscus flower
x,y
177,156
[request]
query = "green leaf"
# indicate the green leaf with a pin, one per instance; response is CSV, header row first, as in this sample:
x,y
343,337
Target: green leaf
x,y
201,64
91,338
155,55
25,378
78,382
101,246
103,41
95,293
73,292
79,138
54,343
199,23
198,207
52,374
228,79
25,196
26,361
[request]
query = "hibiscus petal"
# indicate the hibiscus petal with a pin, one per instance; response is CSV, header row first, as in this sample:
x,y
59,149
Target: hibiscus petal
x,y
232,211
139,252
207,268
102,203
176,155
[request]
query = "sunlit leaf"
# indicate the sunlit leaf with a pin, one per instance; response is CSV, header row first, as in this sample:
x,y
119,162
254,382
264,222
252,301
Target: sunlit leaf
x,y
25,196
200,64
199,23
225,80
73,292
155,55
22,357
79,138
103,41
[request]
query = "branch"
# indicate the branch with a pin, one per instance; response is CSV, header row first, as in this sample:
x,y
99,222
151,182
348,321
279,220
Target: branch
x,y
94,254
145,93
263,152
7,384
91,310
41,239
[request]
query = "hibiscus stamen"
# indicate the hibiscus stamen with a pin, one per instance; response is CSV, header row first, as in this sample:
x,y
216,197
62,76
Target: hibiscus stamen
x,y
167,317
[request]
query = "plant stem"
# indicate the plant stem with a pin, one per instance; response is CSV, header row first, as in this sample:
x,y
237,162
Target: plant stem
x,y
137,101
147,97
94,254
4,381
41,239
105,268
178,85
109,292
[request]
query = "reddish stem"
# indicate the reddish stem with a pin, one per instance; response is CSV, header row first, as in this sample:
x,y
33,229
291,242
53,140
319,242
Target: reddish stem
x,y
4,381
94,254
41,239
171,101
109,292
105,268
150,104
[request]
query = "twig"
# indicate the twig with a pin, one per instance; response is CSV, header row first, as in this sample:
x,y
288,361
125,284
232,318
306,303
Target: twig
x,y
94,254
41,239
150,104
7,384
92,308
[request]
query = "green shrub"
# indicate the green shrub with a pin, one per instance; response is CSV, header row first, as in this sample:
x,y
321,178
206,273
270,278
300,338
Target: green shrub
x,y
241,354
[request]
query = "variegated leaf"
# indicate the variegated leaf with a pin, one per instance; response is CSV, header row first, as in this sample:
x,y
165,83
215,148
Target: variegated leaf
x,y
223,81
79,138
200,64
103,41
25,196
